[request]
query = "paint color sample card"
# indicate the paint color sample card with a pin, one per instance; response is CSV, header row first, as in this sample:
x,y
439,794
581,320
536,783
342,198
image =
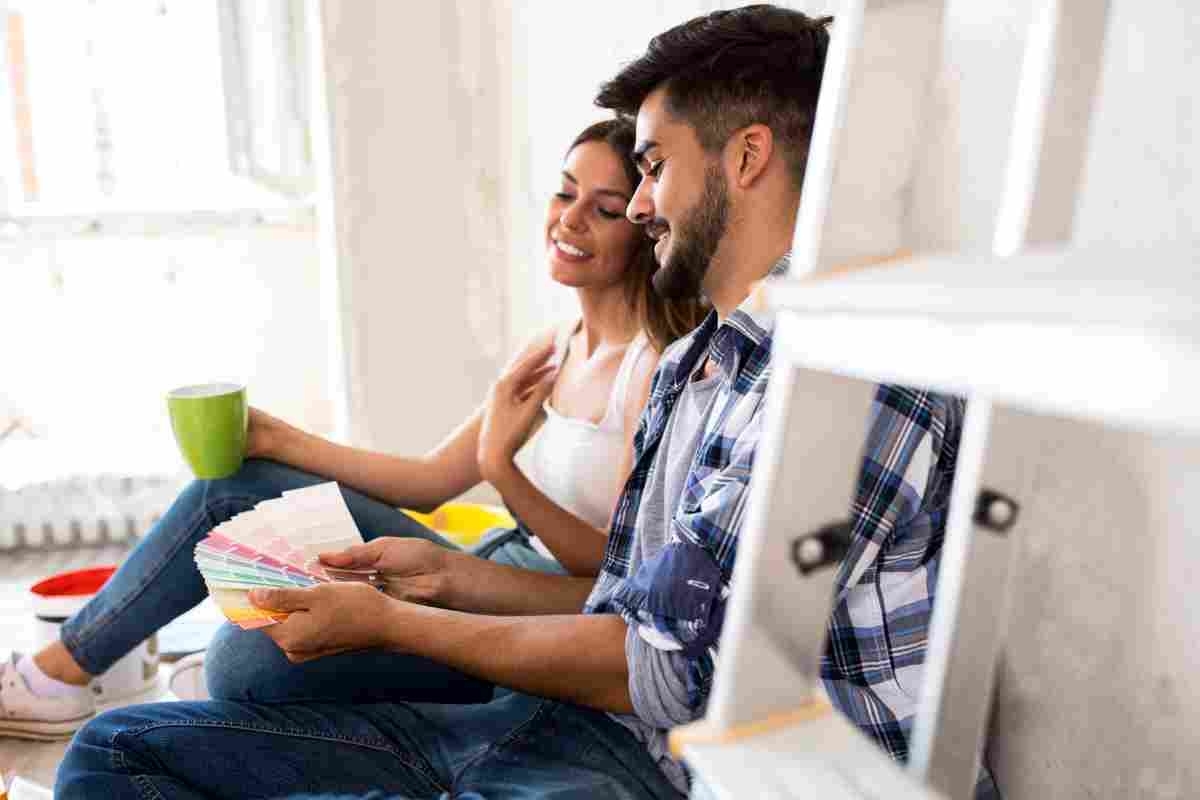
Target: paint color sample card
x,y
276,545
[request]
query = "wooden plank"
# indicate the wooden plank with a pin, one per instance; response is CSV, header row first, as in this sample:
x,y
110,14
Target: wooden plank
x,y
826,757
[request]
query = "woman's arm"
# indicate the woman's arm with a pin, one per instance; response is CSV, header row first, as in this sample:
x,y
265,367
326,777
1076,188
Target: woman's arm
x,y
577,545
421,483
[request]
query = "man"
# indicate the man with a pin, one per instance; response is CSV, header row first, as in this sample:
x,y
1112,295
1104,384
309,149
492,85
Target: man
x,y
725,105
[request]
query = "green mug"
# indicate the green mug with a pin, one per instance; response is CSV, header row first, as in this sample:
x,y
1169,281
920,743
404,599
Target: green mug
x,y
210,421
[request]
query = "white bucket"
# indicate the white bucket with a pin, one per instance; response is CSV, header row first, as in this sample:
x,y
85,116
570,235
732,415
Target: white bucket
x,y
56,598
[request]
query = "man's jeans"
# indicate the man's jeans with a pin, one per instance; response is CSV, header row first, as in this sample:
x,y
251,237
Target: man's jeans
x,y
159,581
515,746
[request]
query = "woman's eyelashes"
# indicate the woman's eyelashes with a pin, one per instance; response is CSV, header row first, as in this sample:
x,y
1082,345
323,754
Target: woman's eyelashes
x,y
567,197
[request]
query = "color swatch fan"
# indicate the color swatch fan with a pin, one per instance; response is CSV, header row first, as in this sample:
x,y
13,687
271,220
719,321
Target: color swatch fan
x,y
276,545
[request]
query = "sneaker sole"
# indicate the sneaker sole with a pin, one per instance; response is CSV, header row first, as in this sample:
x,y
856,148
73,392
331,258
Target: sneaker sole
x,y
42,731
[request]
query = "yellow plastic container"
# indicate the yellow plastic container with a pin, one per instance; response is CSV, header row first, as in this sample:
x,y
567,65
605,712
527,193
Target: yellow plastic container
x,y
464,523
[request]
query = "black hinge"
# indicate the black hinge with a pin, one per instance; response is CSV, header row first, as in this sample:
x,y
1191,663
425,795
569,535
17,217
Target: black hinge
x,y
825,547
994,511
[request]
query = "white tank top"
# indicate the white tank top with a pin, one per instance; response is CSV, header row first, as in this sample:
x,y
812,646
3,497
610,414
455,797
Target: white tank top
x,y
574,462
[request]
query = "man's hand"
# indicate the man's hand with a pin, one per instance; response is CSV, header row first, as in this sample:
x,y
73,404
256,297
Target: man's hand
x,y
513,404
326,619
416,570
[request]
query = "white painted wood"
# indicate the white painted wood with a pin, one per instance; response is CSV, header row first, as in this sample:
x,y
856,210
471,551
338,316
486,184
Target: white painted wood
x,y
823,150
826,758
1073,373
1097,693
775,625
882,61
970,613
1059,79
1131,287
1084,359
1052,119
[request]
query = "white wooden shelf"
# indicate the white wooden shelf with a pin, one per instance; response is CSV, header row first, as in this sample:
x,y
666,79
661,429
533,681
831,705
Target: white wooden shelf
x,y
1044,331
1042,339
826,757
1155,288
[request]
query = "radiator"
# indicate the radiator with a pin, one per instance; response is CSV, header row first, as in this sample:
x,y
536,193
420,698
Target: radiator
x,y
92,510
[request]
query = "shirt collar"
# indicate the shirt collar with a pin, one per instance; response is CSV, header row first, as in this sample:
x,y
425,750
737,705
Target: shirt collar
x,y
748,327
752,319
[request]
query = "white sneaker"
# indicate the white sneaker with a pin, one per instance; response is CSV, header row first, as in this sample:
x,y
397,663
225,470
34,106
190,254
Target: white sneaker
x,y
25,715
187,679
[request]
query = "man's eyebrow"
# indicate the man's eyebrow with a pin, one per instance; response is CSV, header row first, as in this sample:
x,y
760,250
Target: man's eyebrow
x,y
613,192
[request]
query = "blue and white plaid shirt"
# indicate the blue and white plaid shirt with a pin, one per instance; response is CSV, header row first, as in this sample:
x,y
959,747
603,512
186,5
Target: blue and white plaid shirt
x,y
680,593
878,632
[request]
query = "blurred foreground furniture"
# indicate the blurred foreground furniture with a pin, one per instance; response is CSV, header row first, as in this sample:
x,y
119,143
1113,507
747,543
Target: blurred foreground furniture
x,y
1061,624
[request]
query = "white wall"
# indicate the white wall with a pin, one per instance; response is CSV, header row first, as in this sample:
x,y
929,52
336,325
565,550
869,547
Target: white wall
x,y
414,176
562,53
447,127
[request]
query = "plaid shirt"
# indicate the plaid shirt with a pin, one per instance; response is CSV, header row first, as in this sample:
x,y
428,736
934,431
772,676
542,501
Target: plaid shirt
x,y
679,595
884,593
874,663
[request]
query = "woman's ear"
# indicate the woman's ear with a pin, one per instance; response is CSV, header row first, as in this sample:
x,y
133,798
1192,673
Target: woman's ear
x,y
752,148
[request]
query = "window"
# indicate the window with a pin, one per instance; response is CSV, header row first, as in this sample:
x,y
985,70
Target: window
x,y
154,106
156,229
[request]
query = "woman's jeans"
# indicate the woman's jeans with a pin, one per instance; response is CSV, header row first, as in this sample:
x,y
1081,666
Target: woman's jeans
x,y
515,746
159,581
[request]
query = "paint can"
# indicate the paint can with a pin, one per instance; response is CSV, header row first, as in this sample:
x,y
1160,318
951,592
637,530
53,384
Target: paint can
x,y
56,598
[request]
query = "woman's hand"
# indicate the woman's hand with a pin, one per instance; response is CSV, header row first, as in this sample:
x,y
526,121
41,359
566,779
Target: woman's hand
x,y
512,407
264,434
413,569
326,619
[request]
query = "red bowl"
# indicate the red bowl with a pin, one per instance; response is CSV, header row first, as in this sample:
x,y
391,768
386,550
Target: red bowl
x,y
79,581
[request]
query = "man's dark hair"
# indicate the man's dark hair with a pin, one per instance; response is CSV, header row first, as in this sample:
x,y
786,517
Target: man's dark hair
x,y
729,69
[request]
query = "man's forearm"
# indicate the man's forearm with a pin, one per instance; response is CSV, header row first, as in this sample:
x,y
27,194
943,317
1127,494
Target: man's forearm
x,y
476,585
579,658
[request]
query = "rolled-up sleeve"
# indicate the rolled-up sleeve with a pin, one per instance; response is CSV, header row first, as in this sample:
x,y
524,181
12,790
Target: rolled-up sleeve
x,y
674,605
658,684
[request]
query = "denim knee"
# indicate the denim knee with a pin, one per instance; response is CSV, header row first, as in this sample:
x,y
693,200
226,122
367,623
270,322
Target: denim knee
x,y
93,753
241,665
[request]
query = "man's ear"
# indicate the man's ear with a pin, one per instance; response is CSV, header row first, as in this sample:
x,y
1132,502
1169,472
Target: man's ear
x,y
750,150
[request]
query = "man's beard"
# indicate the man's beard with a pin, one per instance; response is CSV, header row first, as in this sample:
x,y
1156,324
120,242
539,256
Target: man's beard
x,y
695,241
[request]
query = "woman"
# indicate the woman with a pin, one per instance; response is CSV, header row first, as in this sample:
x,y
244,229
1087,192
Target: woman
x,y
584,383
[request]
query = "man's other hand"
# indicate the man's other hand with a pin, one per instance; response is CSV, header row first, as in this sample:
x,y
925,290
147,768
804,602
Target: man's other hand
x,y
415,570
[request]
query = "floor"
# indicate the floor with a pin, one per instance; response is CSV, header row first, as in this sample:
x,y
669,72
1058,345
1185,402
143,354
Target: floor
x,y
37,761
